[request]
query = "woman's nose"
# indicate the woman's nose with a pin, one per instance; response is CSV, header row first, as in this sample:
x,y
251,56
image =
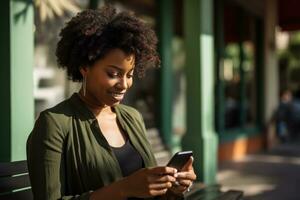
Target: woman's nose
x,y
122,84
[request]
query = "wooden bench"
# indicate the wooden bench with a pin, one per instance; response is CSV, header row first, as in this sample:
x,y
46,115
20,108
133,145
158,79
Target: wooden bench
x,y
14,181
15,185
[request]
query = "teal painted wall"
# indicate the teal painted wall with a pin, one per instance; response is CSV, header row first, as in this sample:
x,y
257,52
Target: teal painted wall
x,y
16,78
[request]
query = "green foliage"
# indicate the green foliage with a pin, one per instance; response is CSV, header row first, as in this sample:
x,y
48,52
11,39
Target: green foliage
x,y
289,58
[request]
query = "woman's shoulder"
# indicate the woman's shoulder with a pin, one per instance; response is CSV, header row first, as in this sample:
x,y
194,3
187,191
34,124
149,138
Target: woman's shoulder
x,y
51,128
59,114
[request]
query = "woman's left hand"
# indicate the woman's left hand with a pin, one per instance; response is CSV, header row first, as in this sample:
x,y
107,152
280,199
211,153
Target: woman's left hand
x,y
184,178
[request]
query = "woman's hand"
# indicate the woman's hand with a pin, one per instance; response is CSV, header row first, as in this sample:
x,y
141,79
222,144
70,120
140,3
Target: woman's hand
x,y
148,182
184,178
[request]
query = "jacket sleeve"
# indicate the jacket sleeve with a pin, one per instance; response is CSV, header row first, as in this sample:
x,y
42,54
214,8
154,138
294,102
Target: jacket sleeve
x,y
45,160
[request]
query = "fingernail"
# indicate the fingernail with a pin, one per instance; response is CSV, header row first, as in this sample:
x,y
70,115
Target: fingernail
x,y
175,175
175,171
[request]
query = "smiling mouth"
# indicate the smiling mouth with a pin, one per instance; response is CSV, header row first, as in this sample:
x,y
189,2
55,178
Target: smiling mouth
x,y
117,95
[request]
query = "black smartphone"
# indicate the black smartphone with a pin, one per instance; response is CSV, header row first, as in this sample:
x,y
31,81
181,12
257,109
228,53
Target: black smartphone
x,y
180,159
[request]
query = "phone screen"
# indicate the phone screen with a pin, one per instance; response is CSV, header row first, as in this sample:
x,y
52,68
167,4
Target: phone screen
x,y
180,159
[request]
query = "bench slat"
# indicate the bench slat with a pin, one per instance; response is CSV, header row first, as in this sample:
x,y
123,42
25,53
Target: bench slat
x,y
24,194
13,168
8,184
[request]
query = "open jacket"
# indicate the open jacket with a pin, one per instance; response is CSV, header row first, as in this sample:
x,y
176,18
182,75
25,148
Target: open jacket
x,y
68,157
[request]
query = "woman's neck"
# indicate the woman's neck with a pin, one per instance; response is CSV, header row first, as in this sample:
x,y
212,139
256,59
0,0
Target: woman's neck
x,y
93,105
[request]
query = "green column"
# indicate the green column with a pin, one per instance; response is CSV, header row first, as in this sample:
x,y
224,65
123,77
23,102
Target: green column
x,y
201,136
165,32
16,78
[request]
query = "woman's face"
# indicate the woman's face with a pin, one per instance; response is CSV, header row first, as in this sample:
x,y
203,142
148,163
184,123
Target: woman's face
x,y
109,78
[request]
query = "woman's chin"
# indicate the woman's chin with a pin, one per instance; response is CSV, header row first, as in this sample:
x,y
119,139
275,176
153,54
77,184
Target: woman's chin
x,y
116,103
113,103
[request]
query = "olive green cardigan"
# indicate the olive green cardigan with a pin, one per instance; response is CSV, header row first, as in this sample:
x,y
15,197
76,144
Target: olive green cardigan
x,y
68,157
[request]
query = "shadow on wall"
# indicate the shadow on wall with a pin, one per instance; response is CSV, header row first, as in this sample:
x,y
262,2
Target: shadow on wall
x,y
22,13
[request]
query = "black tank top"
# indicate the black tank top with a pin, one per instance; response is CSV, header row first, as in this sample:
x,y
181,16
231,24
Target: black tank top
x,y
129,160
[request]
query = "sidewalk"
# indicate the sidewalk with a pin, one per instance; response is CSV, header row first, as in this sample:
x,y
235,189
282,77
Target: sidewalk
x,y
273,175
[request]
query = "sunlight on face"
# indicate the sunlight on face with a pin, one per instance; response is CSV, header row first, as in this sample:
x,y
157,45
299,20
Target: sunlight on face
x,y
110,77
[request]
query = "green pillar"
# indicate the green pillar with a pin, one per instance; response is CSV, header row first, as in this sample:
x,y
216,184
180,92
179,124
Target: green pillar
x,y
16,78
201,136
165,32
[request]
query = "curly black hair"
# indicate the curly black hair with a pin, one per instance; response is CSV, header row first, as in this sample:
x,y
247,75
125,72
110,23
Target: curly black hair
x,y
91,34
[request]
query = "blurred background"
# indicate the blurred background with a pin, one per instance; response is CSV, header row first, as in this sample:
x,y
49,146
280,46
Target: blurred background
x,y
228,87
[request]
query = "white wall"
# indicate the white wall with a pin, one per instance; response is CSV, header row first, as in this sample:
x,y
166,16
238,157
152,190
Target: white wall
x,y
271,84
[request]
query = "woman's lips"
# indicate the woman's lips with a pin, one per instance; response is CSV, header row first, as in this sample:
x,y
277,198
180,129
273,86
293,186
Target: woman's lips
x,y
117,95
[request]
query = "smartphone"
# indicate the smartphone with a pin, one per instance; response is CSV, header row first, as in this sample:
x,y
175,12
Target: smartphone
x,y
180,159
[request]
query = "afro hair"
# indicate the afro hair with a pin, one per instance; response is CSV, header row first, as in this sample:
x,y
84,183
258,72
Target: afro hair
x,y
91,34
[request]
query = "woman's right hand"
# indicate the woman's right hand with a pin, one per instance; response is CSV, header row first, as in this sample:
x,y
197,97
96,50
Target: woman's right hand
x,y
148,182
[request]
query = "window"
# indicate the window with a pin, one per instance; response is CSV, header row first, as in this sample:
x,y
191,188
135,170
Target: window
x,y
237,82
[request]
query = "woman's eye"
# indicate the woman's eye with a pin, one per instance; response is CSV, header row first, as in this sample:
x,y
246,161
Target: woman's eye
x,y
129,75
113,75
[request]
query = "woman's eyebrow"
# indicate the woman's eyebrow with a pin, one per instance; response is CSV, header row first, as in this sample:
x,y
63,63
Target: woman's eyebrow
x,y
118,68
115,67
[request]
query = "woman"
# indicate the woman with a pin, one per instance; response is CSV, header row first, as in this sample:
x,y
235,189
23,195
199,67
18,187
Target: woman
x,y
90,146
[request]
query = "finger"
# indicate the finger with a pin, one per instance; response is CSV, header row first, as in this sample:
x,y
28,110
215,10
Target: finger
x,y
188,165
163,170
187,175
158,192
185,183
160,186
161,179
179,189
